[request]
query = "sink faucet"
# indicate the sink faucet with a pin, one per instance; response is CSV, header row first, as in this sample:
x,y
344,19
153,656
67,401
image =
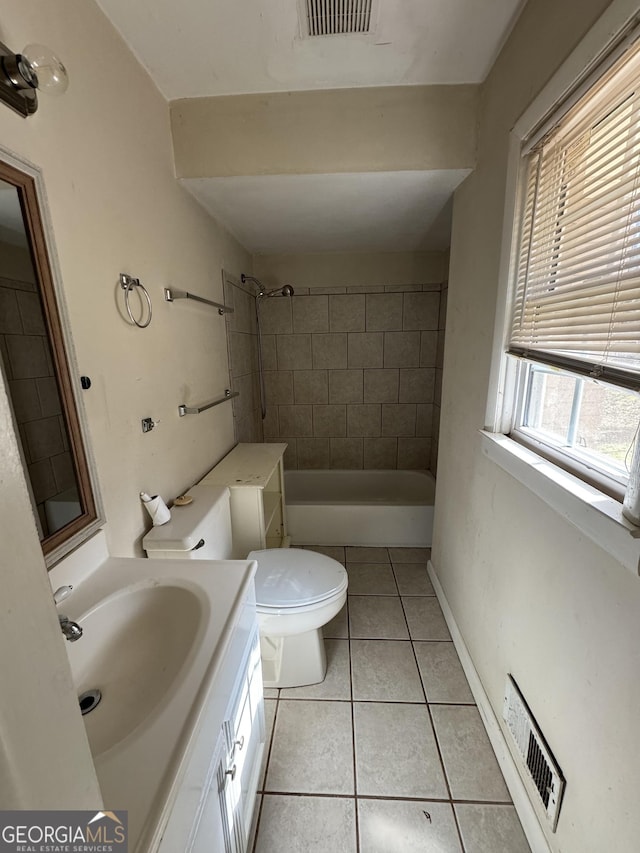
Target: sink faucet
x,y
71,630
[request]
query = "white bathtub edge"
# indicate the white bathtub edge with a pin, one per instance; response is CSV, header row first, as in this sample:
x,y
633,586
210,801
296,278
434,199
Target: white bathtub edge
x,y
369,525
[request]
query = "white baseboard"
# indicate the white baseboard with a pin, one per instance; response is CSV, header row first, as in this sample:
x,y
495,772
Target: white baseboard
x,y
522,803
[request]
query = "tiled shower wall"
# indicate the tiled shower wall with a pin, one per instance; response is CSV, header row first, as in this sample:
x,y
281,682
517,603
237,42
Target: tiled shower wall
x,y
351,375
437,393
28,368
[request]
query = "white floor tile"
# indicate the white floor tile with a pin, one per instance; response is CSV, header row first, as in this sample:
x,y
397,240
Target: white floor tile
x,y
371,579
413,579
395,744
359,554
397,826
312,749
306,825
254,822
442,674
270,706
385,671
471,765
376,617
336,552
396,754
425,618
491,829
338,627
409,555
337,682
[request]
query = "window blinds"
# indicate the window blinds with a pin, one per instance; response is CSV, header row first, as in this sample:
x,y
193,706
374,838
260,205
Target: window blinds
x,y
577,288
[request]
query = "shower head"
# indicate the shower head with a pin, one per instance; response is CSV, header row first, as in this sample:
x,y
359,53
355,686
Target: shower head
x,y
287,290
244,278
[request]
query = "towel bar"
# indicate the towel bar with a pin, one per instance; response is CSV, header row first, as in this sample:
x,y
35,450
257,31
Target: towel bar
x,y
195,410
170,295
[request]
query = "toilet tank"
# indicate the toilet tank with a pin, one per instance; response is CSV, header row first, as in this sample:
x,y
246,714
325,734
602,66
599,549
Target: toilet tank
x,y
200,530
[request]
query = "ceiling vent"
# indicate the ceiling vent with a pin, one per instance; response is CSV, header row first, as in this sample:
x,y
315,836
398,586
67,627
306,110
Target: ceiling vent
x,y
336,17
538,759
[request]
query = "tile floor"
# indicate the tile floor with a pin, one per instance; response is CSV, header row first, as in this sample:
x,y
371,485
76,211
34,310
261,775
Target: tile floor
x,y
388,754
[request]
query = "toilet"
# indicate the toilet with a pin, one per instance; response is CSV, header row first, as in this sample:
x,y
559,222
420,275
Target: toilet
x,y
297,592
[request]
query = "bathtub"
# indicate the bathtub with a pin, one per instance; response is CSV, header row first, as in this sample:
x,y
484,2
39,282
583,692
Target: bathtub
x,y
360,507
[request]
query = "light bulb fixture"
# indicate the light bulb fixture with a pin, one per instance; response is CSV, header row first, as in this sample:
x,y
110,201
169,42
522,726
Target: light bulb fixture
x,y
21,74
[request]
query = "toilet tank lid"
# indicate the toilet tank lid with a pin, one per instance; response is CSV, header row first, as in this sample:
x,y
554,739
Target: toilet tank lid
x,y
188,523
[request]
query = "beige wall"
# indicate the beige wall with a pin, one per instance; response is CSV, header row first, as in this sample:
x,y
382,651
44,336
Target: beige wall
x,y
342,269
530,594
340,130
105,152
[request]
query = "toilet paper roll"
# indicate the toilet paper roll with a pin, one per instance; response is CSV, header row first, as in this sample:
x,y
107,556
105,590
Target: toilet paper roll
x,y
157,509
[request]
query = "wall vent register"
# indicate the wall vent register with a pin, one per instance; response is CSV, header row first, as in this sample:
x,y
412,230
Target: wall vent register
x,y
538,760
336,17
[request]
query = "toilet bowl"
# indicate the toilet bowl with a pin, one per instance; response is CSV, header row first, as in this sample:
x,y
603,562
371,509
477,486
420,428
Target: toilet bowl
x,y
297,591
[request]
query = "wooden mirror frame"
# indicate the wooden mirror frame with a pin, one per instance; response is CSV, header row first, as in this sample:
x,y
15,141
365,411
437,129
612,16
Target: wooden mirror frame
x,y
29,185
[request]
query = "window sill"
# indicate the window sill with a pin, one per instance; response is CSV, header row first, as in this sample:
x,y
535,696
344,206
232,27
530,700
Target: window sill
x,y
593,513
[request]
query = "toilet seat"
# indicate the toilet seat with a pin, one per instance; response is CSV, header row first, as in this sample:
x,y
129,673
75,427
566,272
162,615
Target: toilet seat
x,y
290,579
274,610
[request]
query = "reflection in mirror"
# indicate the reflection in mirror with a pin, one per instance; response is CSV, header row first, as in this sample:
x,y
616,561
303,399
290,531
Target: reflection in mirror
x,y
36,372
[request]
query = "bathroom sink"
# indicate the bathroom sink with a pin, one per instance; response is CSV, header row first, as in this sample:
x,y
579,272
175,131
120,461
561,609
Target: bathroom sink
x,y
135,648
155,634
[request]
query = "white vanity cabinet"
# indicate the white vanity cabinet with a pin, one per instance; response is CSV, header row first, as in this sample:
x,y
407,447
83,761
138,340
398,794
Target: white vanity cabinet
x,y
255,477
224,820
213,809
173,644
213,830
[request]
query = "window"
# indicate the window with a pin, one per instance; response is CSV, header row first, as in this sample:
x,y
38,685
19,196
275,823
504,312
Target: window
x,y
576,313
584,424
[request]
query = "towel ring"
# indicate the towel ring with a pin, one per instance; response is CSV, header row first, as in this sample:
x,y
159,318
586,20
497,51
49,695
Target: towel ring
x,y
127,283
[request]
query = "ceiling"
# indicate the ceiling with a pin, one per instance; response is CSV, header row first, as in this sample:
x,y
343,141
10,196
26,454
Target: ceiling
x,y
200,48
376,211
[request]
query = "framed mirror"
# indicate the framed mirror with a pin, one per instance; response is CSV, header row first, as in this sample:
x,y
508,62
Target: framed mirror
x,y
38,373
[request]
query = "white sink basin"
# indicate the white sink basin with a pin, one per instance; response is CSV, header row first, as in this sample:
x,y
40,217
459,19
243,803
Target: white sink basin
x,y
154,635
135,647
